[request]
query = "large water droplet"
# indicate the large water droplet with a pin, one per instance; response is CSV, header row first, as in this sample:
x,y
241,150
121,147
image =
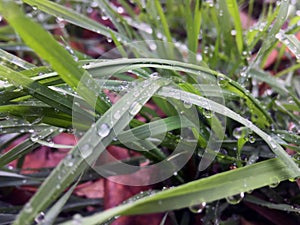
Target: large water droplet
x,y
235,199
198,208
103,130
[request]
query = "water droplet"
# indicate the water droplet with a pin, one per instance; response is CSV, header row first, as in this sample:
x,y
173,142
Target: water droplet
x,y
103,130
235,199
34,138
69,160
28,207
153,46
58,186
238,132
120,10
198,208
251,139
233,32
274,182
109,40
104,17
40,218
207,113
187,104
77,219
117,114
86,150
222,82
134,108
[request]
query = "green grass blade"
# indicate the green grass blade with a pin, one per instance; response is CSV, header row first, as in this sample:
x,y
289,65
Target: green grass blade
x,y
204,190
259,115
235,14
92,142
218,108
54,53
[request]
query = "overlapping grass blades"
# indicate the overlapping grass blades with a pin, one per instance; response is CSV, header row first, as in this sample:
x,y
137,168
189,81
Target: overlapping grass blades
x,y
67,70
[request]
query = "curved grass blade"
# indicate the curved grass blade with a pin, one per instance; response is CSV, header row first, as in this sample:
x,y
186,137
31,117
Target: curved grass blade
x,y
204,190
58,57
95,142
259,114
218,108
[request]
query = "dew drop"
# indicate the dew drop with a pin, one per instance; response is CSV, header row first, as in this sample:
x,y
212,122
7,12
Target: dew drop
x,y
117,114
77,219
233,32
235,199
86,150
28,208
238,132
58,186
274,182
222,82
134,108
187,104
69,160
103,130
251,139
198,208
34,138
207,113
40,218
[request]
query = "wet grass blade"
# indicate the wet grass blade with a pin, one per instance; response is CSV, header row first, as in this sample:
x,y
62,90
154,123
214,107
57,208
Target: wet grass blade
x,y
235,14
259,114
90,146
218,108
204,190
58,57
26,146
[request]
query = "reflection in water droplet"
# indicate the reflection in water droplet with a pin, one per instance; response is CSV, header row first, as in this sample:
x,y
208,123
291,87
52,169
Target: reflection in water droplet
x,y
235,199
103,130
198,208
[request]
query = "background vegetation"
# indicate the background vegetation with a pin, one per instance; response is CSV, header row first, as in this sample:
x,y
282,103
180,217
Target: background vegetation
x,y
122,74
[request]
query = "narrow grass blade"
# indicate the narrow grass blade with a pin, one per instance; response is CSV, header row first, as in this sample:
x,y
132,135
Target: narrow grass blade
x,y
235,14
54,53
90,146
218,108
